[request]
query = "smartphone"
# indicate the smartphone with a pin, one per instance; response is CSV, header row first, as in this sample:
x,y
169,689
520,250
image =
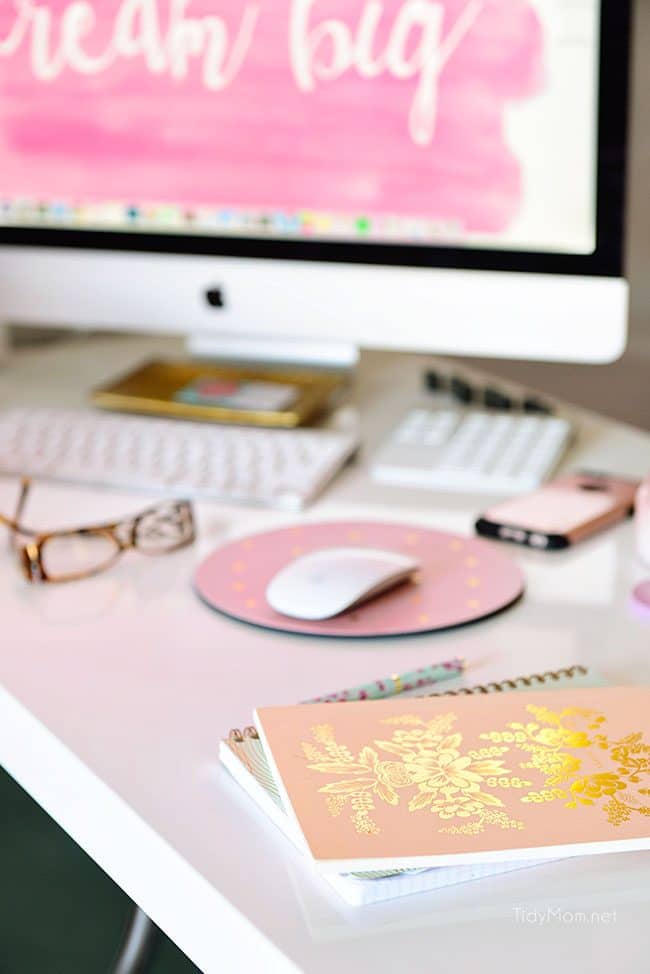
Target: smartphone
x,y
565,511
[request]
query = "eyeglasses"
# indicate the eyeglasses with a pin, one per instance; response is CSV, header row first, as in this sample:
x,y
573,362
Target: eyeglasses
x,y
66,556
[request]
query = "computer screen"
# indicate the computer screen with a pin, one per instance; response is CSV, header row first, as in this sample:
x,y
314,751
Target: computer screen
x,y
433,175
465,126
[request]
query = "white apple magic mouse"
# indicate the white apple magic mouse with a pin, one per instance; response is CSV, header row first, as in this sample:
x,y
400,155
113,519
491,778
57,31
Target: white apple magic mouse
x,y
327,582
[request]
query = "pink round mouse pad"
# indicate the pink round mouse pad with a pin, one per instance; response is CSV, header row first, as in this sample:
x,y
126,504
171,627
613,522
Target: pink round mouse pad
x,y
461,579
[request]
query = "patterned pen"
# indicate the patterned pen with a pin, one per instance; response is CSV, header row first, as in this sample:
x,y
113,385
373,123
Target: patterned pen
x,y
393,685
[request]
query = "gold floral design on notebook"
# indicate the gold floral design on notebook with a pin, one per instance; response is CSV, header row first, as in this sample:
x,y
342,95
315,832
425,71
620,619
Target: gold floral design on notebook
x,y
423,761
424,765
601,770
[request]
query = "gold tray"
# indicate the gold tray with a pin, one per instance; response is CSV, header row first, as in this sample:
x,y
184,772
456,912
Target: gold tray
x,y
151,388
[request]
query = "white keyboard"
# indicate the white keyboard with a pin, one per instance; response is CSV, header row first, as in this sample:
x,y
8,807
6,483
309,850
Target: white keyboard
x,y
274,468
471,450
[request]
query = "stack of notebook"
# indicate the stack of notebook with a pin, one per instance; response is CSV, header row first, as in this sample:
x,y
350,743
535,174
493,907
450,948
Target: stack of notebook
x,y
406,795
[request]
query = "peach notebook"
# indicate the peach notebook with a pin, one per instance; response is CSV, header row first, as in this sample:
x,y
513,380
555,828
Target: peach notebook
x,y
443,781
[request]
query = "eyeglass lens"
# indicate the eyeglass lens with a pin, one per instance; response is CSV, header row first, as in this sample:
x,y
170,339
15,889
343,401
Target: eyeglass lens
x,y
164,527
77,554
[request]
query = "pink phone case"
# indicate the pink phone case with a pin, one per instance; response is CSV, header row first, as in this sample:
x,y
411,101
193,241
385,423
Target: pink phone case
x,y
564,512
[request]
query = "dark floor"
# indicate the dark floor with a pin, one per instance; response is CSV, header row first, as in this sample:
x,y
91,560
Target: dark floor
x,y
59,913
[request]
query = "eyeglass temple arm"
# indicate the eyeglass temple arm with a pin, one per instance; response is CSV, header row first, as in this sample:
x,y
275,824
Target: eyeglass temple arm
x,y
25,484
14,525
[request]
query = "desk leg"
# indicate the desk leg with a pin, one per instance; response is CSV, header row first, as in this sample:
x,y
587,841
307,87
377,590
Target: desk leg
x,y
138,945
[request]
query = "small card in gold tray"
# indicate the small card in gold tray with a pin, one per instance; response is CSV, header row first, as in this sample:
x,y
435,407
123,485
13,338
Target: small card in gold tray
x,y
251,396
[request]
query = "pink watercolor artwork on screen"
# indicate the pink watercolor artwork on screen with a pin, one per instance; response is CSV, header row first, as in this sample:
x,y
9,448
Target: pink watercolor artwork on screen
x,y
373,106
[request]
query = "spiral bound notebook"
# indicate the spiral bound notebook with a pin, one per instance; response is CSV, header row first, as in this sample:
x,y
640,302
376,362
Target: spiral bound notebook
x,y
453,781
243,755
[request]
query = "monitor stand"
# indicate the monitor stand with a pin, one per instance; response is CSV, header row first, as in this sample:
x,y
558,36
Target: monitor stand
x,y
338,356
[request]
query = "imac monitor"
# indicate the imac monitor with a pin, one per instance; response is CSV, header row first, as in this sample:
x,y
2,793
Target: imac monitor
x,y
441,175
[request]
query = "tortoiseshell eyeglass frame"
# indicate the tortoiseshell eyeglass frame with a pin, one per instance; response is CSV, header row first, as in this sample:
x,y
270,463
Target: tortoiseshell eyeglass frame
x,y
130,533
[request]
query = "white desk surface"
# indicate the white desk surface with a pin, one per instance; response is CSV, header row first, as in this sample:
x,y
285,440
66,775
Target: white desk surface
x,y
114,693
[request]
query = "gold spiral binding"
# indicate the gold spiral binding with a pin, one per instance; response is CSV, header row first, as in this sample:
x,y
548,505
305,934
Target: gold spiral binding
x,y
535,679
238,736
